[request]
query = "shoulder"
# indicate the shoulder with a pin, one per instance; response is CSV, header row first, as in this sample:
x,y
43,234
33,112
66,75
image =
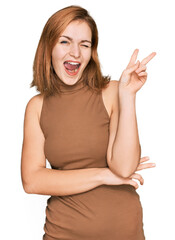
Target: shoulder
x,y
35,100
112,87
114,83
34,105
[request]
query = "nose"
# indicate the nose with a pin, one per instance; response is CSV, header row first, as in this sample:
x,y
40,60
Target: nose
x,y
75,51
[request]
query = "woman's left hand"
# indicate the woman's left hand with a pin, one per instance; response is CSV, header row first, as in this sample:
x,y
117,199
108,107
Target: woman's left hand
x,y
135,75
141,166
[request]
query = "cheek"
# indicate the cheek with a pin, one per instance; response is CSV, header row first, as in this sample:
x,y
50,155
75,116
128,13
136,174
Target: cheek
x,y
57,55
88,57
56,61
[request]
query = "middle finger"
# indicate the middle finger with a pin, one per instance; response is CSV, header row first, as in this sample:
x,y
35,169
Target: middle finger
x,y
144,166
148,58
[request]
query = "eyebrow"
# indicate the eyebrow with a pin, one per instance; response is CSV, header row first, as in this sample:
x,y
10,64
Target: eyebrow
x,y
72,39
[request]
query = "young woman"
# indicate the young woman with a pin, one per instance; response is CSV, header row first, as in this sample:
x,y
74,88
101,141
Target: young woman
x,y
85,125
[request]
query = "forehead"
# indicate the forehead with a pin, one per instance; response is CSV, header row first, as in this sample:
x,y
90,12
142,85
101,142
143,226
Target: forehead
x,y
78,30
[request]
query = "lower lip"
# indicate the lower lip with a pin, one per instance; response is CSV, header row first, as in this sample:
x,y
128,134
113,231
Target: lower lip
x,y
72,73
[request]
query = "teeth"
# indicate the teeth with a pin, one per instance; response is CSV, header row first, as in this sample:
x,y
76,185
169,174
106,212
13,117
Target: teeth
x,y
73,63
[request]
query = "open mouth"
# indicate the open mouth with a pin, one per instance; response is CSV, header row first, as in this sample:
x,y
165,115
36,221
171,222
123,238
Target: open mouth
x,y
72,67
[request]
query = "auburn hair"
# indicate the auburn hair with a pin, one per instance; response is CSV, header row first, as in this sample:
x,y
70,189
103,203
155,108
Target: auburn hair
x,y
44,77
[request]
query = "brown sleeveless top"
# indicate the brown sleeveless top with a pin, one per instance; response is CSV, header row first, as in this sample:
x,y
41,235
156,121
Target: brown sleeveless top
x,y
76,128
75,124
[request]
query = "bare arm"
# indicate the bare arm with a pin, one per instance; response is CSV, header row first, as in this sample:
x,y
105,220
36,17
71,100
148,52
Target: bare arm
x,y
126,150
63,182
36,178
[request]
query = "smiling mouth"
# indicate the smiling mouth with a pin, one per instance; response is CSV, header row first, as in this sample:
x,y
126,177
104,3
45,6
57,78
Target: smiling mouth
x,y
71,67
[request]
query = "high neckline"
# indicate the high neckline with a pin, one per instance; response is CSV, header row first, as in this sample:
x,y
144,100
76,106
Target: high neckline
x,y
66,88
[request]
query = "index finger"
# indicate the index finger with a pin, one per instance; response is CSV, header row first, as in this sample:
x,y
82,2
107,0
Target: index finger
x,y
133,58
148,58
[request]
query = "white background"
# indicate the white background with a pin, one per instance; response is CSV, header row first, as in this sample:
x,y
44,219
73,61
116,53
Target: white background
x,y
123,26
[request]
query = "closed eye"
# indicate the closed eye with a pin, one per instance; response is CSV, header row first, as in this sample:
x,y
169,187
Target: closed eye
x,y
64,41
85,46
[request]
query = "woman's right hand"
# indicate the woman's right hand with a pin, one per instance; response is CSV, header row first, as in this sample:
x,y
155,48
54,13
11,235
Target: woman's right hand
x,y
112,179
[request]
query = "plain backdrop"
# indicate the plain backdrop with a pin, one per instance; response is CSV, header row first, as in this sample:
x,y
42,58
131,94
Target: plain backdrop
x,y
123,26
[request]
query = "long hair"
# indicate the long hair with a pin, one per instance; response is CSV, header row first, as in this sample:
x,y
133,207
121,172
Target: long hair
x,y
44,76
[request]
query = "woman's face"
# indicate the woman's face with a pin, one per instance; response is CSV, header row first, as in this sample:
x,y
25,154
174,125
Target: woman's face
x,y
72,52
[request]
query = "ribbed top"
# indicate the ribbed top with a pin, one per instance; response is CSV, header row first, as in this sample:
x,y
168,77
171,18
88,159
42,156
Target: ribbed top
x,y
76,127
76,130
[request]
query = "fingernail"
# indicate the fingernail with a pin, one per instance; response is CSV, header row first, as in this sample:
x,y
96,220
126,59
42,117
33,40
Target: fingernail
x,y
153,164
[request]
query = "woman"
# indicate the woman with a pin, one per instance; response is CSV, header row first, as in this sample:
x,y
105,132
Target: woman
x,y
75,123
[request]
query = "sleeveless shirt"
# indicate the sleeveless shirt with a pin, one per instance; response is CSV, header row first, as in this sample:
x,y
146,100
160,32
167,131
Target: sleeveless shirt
x,y
75,124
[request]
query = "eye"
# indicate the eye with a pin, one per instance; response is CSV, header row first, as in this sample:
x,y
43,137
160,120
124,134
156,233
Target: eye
x,y
64,42
85,46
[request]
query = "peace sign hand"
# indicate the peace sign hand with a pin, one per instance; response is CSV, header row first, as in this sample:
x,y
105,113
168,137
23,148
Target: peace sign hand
x,y
135,75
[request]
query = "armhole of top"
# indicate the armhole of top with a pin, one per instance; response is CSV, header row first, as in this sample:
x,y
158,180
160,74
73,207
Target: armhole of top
x,y
104,107
41,115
